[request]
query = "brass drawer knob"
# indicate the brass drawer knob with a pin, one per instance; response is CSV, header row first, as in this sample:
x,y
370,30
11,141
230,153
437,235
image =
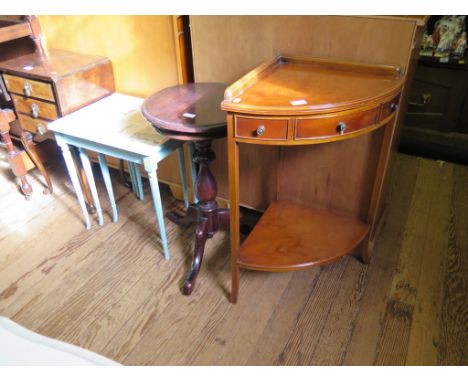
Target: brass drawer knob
x,y
27,89
261,130
41,129
34,110
341,128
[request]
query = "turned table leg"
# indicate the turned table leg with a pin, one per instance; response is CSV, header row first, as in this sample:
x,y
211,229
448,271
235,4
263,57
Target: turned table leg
x,y
83,181
205,213
92,185
151,168
14,156
70,163
108,183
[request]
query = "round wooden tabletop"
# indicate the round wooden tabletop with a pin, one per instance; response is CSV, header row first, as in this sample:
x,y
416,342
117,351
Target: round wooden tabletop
x,y
188,112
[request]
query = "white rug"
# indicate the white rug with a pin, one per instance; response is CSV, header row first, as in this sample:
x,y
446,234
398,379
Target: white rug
x,y
20,346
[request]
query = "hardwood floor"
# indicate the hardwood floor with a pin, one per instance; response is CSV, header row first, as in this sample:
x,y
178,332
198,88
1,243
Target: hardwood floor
x,y
110,290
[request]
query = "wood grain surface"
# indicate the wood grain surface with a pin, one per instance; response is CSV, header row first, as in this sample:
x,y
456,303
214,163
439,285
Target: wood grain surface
x,y
307,85
293,237
110,290
225,48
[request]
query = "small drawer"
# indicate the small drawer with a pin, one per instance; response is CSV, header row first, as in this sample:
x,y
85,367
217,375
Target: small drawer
x,y
267,129
33,125
331,125
29,88
35,108
389,108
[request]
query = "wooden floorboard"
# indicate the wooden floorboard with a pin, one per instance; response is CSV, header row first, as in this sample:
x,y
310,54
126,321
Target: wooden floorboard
x,y
394,336
284,318
231,332
363,343
312,319
453,341
110,289
404,287
333,341
425,334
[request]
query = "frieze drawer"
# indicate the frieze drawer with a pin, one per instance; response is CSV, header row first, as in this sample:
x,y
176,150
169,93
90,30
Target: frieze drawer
x,y
264,129
333,125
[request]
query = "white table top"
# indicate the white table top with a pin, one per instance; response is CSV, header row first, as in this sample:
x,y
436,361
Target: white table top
x,y
114,121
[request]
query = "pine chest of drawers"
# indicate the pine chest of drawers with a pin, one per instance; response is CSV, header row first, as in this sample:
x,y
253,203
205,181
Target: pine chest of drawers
x,y
44,89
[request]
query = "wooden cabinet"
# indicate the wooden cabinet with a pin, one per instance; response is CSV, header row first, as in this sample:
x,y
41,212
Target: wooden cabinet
x,y
436,122
291,102
46,88
227,47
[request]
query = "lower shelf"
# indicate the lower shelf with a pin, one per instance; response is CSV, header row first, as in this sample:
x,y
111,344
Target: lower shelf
x,y
291,237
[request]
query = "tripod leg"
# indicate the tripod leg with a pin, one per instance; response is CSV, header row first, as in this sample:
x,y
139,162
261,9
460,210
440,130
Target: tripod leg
x,y
201,235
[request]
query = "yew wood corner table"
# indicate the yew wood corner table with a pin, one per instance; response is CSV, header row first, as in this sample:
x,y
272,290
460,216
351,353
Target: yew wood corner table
x,y
192,113
291,102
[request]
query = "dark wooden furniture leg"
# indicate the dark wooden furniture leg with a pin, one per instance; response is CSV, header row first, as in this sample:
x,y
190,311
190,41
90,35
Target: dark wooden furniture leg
x,y
206,214
125,181
27,141
14,156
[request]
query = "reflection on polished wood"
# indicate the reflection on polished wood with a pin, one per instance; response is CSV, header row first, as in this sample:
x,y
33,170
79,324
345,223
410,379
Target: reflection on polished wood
x,y
291,236
305,86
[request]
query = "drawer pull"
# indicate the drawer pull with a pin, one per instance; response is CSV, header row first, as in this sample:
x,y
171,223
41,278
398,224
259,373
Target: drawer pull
x,y
41,129
394,107
261,130
341,128
27,89
34,110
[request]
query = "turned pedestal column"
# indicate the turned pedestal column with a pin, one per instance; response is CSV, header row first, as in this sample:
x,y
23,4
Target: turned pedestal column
x,y
192,113
206,214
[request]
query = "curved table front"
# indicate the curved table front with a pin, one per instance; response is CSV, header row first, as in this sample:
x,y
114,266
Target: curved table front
x,y
298,101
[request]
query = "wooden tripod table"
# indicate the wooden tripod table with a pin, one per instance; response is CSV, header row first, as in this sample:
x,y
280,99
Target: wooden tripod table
x,y
192,113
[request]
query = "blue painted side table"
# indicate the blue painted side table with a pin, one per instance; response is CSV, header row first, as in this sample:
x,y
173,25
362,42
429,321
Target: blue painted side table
x,y
114,126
